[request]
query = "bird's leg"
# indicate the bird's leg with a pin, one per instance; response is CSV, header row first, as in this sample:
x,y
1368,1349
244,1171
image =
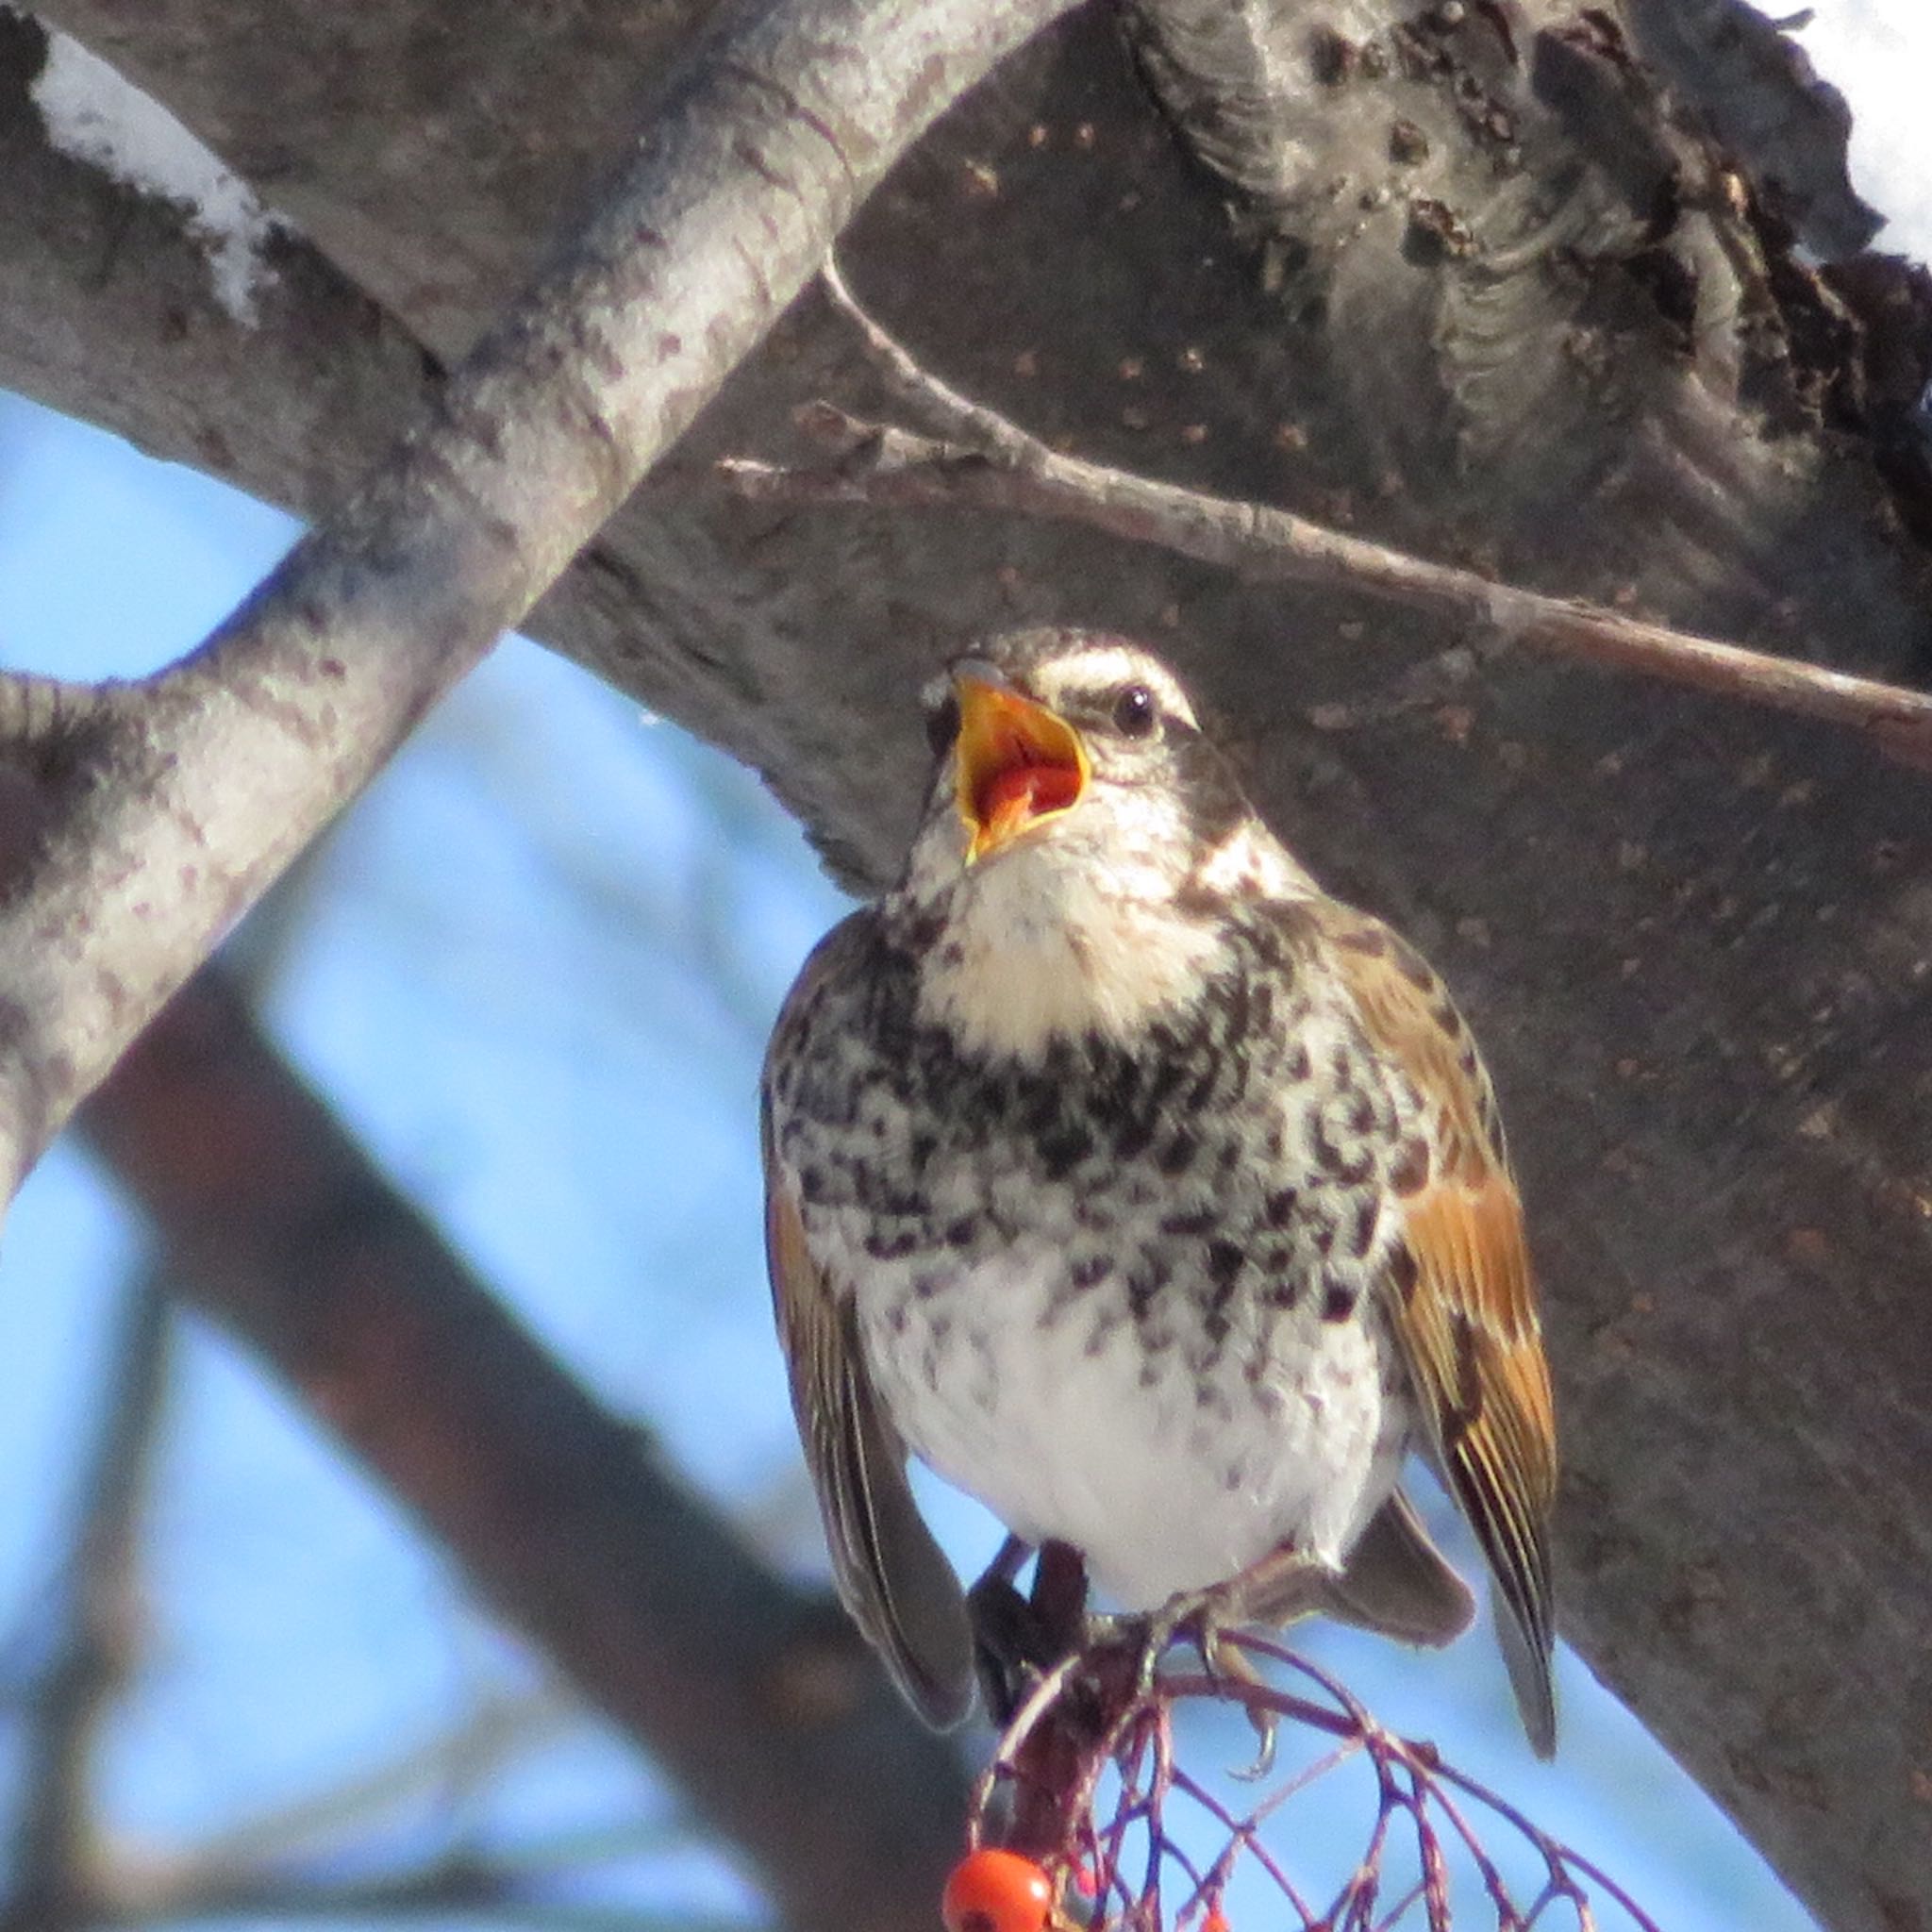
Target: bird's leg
x,y
1059,1597
1004,1636
1279,1589
1018,1637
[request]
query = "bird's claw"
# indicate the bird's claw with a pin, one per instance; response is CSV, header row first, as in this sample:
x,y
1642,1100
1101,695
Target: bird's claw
x,y
1154,1633
1226,1662
1266,1725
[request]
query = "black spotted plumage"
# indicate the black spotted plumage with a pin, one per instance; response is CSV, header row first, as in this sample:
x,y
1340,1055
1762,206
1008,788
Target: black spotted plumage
x,y
1149,1193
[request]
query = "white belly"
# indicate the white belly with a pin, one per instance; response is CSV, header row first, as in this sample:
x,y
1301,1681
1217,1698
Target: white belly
x,y
1167,1468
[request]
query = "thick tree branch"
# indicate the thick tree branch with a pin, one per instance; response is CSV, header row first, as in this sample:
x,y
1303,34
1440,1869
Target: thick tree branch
x,y
755,1697
223,767
988,462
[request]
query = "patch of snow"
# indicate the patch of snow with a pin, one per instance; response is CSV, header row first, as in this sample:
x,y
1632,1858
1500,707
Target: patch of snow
x,y
1878,53
94,115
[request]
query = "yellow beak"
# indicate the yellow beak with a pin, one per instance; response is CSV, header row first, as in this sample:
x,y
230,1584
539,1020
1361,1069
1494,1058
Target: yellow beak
x,y
1018,763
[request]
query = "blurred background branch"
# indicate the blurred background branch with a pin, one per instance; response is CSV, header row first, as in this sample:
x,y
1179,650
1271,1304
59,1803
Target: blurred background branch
x,y
91,1631
757,1698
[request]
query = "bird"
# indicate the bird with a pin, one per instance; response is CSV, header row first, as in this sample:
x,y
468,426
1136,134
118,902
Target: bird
x,y
1150,1194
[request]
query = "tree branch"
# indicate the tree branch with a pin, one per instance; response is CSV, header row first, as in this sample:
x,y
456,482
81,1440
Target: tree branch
x,y
48,1875
755,1697
984,461
224,766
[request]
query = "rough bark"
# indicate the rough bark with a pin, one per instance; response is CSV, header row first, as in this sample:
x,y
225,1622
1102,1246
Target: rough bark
x,y
1467,284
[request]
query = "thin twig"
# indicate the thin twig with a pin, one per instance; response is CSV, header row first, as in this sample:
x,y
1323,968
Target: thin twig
x,y
978,428
488,1732
48,1880
982,460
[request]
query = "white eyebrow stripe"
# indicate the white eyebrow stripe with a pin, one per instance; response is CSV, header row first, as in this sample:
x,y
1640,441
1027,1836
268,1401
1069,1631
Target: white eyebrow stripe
x,y
1100,666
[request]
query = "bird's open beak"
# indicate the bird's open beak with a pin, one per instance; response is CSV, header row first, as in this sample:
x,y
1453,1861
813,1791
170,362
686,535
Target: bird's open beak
x,y
1018,763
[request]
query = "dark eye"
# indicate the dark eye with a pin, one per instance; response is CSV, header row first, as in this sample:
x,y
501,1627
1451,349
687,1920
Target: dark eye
x,y
1134,711
943,726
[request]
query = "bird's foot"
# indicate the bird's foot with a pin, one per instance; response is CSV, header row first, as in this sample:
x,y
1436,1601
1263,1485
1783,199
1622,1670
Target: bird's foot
x,y
1209,1617
1281,1589
1196,1614
1009,1646
1232,1663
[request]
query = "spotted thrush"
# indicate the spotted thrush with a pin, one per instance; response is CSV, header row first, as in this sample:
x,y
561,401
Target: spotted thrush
x,y
1151,1195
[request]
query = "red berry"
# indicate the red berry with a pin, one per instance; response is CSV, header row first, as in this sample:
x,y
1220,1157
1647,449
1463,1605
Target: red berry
x,y
1216,1920
993,1891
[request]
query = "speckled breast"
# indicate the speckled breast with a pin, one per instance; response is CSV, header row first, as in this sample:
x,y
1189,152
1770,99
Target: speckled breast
x,y
1122,1292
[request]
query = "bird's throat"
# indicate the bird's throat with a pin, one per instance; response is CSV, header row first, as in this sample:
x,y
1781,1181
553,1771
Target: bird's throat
x,y
1031,950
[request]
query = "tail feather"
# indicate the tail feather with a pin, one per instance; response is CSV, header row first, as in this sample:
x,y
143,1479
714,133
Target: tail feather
x,y
1398,1583
1527,1661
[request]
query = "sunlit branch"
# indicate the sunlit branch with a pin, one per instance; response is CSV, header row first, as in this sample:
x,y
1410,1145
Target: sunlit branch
x,y
761,148
981,460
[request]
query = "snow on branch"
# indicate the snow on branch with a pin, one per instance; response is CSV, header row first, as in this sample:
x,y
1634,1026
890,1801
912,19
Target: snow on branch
x,y
94,115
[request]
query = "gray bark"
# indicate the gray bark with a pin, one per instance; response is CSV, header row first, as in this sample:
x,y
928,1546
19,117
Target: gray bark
x,y
1462,281
166,812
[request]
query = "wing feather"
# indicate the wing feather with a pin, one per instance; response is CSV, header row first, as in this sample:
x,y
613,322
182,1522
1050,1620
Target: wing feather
x,y
1465,1310
889,1573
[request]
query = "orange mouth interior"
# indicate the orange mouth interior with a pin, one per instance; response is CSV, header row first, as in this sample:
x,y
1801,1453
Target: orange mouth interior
x,y
1023,791
1018,764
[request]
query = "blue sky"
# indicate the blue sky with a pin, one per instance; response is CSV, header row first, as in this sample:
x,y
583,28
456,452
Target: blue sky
x,y
533,972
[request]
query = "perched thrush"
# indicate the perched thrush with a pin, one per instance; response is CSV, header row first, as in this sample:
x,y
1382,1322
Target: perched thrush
x,y
1151,1195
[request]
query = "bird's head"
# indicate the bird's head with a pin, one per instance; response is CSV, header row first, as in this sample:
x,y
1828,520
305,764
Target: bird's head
x,y
1083,847
1071,750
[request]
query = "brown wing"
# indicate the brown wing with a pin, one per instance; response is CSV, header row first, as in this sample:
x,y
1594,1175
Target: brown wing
x,y
1463,1298
891,1573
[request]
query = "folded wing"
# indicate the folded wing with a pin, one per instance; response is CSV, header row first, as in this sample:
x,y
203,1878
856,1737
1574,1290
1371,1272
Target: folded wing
x,y
1462,1298
891,1573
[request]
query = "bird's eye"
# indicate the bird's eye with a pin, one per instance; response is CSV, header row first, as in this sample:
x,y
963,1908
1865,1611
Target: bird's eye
x,y
943,726
1134,711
